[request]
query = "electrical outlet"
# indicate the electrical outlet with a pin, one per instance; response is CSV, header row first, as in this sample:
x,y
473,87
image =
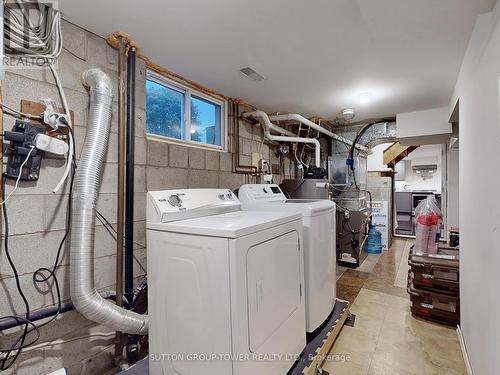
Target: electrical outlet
x,y
256,159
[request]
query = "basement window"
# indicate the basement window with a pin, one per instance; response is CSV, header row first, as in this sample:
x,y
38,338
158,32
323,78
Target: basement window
x,y
178,114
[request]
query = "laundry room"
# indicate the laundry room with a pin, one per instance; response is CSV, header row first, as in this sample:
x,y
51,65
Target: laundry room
x,y
243,188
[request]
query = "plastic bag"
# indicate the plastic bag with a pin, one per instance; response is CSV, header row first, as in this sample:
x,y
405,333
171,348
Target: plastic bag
x,y
428,216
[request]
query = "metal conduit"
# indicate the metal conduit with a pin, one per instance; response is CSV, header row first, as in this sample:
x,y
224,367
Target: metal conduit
x,y
129,177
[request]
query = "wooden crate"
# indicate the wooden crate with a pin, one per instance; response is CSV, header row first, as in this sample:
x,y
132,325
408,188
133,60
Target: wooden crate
x,y
437,307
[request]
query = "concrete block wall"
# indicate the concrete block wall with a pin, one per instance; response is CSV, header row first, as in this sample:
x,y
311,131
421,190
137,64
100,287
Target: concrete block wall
x,y
37,216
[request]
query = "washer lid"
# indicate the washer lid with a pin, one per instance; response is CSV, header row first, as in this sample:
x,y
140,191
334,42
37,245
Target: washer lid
x,y
228,225
307,207
269,197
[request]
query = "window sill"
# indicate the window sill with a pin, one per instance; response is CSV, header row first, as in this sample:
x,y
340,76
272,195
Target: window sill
x,y
179,142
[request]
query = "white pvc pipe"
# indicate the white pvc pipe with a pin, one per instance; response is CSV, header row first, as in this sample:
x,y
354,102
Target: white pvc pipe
x,y
307,122
282,131
292,139
317,148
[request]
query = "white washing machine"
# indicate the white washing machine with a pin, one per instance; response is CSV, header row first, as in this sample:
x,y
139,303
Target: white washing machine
x,y
318,218
225,285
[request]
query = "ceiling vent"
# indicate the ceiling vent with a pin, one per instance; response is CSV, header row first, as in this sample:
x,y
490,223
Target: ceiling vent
x,y
252,74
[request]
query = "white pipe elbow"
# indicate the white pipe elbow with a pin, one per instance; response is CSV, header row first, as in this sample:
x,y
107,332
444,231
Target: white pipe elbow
x,y
268,125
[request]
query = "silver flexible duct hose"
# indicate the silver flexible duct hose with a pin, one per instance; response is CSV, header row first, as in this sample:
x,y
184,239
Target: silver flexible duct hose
x,y
86,190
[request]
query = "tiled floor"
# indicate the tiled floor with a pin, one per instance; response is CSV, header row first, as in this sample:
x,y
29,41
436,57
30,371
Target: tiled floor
x,y
386,338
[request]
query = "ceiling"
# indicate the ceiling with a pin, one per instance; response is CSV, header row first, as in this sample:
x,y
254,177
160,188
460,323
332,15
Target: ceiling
x,y
318,56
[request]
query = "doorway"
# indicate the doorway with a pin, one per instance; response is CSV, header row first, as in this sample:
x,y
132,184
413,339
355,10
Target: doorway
x,y
419,171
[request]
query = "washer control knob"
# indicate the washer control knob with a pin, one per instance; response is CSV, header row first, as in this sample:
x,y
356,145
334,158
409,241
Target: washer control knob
x,y
222,197
174,200
229,196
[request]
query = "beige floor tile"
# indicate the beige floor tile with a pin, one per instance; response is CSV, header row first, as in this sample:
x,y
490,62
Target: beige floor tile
x,y
346,368
369,310
356,347
386,338
412,354
370,296
353,340
369,325
401,279
380,367
396,318
402,358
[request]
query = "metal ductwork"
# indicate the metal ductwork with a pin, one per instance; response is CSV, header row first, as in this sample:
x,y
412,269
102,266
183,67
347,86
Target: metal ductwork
x,y
319,128
87,180
383,132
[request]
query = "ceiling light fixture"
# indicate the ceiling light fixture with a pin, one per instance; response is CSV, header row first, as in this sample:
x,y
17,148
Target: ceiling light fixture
x,y
365,97
348,114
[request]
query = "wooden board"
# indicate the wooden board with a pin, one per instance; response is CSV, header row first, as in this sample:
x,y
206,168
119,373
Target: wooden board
x,y
396,152
324,350
35,108
388,173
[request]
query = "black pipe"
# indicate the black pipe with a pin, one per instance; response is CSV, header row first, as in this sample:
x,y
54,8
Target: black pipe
x,y
129,177
44,313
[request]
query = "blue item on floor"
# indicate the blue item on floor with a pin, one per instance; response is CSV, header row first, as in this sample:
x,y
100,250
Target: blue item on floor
x,y
374,240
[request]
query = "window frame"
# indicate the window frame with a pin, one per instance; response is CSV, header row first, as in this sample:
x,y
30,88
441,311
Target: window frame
x,y
188,92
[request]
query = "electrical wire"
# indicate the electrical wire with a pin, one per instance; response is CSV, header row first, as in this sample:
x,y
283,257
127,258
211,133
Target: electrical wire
x,y
70,156
19,113
41,275
356,139
40,40
71,339
110,227
19,176
14,348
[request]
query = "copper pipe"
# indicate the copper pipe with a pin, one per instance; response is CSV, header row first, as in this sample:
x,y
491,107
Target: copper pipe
x,y
121,183
238,167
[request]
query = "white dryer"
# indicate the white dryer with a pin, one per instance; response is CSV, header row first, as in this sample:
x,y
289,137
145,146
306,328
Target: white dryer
x,y
318,217
225,285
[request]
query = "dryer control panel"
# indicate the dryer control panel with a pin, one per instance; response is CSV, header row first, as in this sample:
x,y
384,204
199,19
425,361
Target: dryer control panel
x,y
172,205
261,192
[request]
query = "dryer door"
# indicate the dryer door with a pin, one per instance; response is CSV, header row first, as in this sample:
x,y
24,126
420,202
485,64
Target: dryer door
x,y
274,287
